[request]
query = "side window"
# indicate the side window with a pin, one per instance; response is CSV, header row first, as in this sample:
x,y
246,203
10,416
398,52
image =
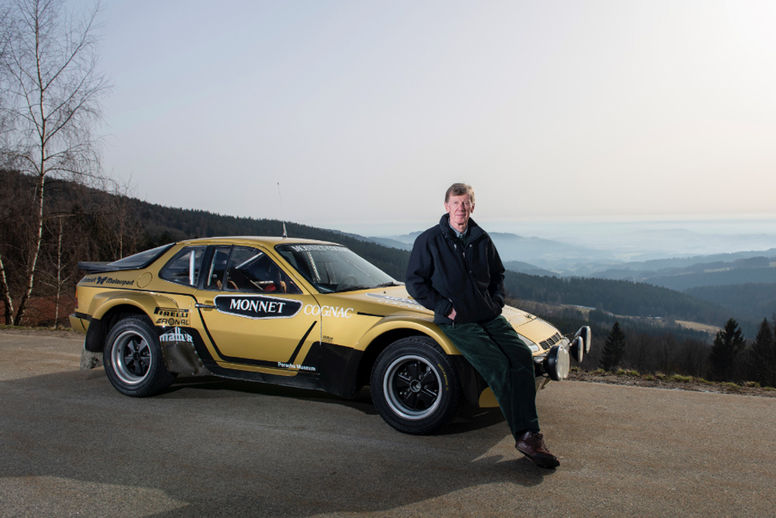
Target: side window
x,y
217,268
253,271
184,267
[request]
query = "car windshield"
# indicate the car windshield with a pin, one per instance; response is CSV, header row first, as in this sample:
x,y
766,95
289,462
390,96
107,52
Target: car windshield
x,y
334,268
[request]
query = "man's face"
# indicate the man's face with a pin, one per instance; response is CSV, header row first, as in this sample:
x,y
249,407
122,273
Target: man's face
x,y
459,208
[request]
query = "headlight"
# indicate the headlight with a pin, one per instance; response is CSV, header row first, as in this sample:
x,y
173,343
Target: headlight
x,y
530,343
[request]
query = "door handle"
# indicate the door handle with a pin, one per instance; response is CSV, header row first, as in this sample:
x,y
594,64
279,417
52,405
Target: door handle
x,y
204,306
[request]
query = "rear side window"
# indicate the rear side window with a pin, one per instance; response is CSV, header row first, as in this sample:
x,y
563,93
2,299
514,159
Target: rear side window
x,y
140,259
184,268
215,274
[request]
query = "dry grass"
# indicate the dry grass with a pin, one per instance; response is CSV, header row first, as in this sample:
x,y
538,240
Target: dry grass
x,y
671,381
697,326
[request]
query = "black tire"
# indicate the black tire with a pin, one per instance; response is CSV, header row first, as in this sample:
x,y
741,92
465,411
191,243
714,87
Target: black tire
x,y
414,386
133,358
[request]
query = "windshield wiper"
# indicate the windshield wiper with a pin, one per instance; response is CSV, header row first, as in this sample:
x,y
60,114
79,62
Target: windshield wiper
x,y
354,288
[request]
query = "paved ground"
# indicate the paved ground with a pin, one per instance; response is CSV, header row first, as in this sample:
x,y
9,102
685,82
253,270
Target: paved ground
x,y
72,446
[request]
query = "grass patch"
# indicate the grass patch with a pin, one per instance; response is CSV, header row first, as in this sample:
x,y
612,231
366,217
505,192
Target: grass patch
x,y
732,387
681,378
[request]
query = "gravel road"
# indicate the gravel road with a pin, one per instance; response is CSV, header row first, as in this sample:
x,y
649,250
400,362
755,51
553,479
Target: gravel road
x,y
73,446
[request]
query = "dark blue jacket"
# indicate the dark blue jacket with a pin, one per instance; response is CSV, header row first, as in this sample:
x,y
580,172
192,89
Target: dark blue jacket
x,y
446,272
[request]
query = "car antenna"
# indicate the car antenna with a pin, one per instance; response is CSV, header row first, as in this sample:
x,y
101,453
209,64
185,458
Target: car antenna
x,y
280,199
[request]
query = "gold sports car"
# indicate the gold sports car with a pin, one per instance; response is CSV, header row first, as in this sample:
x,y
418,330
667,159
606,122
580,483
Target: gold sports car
x,y
294,312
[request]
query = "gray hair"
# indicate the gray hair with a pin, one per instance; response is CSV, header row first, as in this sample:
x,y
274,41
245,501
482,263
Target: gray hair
x,y
459,189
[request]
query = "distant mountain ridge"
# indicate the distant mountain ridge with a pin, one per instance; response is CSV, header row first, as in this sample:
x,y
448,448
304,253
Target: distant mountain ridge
x,y
550,257
717,279
553,256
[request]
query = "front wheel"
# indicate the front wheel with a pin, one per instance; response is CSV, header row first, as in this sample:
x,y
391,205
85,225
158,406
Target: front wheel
x,y
414,386
133,358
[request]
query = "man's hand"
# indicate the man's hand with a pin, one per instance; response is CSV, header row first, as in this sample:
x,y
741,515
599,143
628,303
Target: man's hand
x,y
451,316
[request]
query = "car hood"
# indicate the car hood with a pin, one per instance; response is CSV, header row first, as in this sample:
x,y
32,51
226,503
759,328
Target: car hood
x,y
380,301
395,300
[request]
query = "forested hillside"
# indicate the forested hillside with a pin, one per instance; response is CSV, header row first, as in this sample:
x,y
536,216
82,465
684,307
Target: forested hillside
x,y
618,297
164,224
105,226
754,300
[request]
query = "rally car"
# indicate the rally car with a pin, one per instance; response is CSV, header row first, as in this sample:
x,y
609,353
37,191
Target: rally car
x,y
293,312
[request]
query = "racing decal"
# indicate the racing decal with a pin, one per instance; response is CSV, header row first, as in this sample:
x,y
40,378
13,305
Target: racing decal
x,y
102,280
328,311
296,366
176,335
314,248
171,316
179,350
291,363
397,301
257,306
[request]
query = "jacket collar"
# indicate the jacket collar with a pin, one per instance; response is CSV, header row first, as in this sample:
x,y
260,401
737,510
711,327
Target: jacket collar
x,y
475,231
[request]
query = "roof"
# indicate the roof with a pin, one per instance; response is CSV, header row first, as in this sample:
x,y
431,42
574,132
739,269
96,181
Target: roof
x,y
265,240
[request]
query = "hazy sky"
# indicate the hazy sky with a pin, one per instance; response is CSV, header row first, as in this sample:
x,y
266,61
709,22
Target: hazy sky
x,y
365,111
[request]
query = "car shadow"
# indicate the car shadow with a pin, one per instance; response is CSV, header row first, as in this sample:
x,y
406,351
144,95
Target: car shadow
x,y
226,447
466,420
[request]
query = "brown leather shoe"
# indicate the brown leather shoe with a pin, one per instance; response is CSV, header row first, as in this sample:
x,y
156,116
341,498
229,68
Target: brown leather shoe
x,y
531,444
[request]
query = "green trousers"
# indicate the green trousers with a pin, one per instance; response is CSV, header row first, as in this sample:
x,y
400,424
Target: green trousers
x,y
506,363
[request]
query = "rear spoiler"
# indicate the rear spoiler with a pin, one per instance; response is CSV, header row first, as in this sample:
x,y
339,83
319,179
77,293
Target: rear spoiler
x,y
136,261
101,267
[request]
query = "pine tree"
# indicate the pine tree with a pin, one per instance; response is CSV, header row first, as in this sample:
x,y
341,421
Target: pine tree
x,y
728,344
762,358
614,347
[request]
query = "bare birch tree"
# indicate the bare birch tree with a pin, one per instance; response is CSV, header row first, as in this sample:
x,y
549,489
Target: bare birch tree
x,y
5,40
52,89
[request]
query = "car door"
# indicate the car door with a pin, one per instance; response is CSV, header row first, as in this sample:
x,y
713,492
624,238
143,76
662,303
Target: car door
x,y
254,313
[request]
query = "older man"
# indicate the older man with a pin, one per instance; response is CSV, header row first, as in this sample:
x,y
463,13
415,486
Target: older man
x,y
455,271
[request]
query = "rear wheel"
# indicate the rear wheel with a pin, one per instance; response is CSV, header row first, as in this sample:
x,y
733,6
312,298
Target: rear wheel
x,y
414,386
133,358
